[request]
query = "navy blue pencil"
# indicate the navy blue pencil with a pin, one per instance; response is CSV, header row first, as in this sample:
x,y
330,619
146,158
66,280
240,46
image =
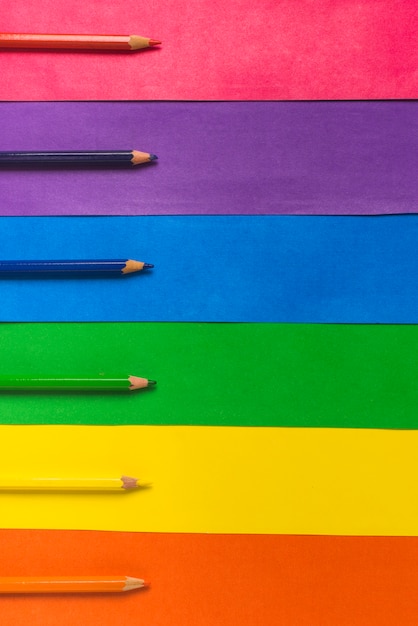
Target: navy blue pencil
x,y
115,266
82,157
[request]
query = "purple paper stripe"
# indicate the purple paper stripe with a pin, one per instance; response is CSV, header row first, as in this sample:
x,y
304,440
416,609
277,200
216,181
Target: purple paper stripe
x,y
265,158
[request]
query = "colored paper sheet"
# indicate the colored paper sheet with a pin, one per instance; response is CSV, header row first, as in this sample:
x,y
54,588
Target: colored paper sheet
x,y
280,49
200,479
201,580
219,374
218,269
216,158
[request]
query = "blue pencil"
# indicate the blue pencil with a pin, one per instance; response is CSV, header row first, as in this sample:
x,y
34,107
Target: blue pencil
x,y
115,266
99,157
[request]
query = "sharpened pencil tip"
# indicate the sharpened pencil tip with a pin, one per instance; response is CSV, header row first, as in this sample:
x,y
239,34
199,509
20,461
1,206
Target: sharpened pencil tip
x,y
148,266
140,383
153,157
154,42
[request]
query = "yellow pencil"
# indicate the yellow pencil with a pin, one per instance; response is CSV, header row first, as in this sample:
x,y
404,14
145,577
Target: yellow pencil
x,y
122,484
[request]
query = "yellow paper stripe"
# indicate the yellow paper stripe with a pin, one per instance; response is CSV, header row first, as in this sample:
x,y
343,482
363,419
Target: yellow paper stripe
x,y
218,480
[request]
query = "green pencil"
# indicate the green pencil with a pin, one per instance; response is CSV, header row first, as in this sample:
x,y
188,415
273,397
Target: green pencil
x,y
69,383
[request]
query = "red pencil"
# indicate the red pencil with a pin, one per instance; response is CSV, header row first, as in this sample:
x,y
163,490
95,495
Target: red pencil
x,y
77,42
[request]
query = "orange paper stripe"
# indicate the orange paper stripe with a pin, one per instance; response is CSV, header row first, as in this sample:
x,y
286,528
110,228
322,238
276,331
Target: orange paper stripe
x,y
202,580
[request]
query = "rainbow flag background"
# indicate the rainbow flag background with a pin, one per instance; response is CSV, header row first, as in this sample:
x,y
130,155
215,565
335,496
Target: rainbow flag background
x,y
279,447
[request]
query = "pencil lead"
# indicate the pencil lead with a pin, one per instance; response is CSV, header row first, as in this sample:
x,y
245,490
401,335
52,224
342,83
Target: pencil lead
x,y
154,42
153,157
152,383
148,266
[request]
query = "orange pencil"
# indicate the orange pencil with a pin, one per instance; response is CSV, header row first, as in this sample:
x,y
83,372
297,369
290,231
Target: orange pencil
x,y
69,584
77,42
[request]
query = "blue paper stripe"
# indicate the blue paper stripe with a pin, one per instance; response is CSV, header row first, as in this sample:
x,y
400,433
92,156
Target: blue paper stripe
x,y
219,269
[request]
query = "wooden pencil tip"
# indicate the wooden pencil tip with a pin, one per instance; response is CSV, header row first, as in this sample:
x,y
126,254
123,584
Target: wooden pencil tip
x,y
140,383
129,482
135,266
137,43
134,583
138,157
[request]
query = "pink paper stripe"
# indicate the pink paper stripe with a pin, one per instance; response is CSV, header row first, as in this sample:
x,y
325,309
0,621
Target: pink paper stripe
x,y
269,49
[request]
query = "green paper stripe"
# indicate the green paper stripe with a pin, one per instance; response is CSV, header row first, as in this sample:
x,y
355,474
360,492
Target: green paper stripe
x,y
219,374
